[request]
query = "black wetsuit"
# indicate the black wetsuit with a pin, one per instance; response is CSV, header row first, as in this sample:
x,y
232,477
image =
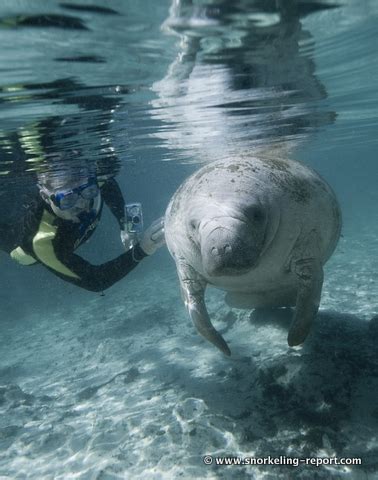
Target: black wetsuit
x,y
50,240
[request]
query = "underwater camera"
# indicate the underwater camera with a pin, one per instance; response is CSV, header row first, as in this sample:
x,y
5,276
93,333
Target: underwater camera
x,y
134,217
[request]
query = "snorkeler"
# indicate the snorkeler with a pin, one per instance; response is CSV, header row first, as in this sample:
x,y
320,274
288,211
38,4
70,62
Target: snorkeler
x,y
65,215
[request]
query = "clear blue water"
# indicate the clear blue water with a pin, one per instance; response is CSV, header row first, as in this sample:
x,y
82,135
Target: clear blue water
x,y
121,386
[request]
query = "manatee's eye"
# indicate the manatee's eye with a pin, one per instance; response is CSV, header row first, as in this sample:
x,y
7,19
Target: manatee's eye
x,y
193,225
255,213
192,230
259,215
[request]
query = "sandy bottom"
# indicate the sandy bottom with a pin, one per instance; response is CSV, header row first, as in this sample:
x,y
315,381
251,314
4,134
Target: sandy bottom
x,y
124,388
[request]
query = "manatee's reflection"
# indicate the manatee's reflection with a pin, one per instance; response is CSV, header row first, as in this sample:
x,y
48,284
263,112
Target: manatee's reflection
x,y
242,78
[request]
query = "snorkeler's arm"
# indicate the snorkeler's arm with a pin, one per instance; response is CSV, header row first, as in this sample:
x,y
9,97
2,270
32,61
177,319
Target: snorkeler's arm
x,y
51,248
97,278
112,195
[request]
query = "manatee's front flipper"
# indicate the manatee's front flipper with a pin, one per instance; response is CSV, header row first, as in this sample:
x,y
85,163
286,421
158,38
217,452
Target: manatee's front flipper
x,y
193,291
309,272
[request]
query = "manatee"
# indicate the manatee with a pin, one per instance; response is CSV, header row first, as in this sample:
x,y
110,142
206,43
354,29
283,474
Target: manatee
x,y
260,229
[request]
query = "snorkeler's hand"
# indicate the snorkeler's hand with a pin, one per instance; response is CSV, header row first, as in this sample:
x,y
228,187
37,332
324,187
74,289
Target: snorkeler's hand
x,y
128,239
153,237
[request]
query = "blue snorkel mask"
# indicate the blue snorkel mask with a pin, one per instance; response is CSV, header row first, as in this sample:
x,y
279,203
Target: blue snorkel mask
x,y
66,200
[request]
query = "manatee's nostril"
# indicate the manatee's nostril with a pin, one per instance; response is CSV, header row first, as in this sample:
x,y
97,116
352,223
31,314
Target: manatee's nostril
x,y
227,248
221,250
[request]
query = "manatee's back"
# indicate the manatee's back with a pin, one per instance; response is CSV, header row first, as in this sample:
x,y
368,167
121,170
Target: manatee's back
x,y
312,204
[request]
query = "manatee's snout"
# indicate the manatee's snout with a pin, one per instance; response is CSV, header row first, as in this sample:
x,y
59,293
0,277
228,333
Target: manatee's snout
x,y
221,250
219,259
224,252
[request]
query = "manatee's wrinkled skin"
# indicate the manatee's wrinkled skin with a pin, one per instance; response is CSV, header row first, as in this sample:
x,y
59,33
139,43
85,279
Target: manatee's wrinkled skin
x,y
260,229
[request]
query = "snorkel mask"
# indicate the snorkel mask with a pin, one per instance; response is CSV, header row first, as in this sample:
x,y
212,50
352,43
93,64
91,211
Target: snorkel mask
x,y
67,199
73,198
70,188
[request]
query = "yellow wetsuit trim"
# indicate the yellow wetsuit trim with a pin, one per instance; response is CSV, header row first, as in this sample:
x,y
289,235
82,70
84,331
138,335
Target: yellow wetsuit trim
x,y
21,257
43,246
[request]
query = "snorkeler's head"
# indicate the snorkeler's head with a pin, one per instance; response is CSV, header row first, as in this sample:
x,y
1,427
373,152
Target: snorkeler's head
x,y
69,191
